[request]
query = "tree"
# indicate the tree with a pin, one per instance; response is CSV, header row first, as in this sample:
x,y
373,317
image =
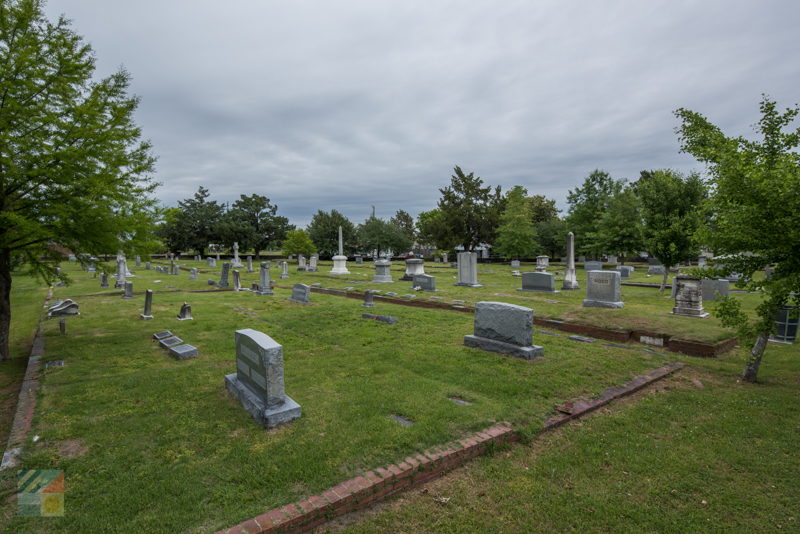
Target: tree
x,y
469,212
298,242
552,237
587,204
542,209
377,234
169,230
200,220
405,223
73,170
253,223
516,236
671,215
324,232
433,232
620,227
755,207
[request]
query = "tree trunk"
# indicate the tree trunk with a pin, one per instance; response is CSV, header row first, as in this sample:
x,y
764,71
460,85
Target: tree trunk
x,y
5,303
754,361
664,280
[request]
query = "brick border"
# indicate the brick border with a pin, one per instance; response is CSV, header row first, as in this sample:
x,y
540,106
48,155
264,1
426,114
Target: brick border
x,y
378,484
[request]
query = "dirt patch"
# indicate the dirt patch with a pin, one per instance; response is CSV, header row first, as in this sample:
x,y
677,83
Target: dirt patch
x,y
13,372
72,448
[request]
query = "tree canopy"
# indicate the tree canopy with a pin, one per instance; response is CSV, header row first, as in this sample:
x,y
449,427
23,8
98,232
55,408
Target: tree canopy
x,y
587,204
324,232
469,212
73,168
516,236
298,242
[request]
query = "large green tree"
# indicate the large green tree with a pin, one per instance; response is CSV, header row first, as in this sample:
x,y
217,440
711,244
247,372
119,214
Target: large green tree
x,y
324,232
516,236
619,229
200,221
671,214
542,208
754,201
405,222
587,204
470,212
74,171
298,242
377,234
252,221
432,231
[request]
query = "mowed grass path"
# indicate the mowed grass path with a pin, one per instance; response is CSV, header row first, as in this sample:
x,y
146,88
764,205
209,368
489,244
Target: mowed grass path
x,y
151,444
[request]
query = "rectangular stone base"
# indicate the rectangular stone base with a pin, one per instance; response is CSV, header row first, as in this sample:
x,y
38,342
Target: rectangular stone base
x,y
297,301
694,314
266,417
262,293
182,352
587,303
468,285
539,290
569,286
527,353
145,317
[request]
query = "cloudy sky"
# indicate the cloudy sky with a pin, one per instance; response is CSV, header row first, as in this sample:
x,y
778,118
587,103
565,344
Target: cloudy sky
x,y
349,104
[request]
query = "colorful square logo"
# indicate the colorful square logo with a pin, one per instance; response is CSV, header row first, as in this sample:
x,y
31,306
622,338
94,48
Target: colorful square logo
x,y
40,492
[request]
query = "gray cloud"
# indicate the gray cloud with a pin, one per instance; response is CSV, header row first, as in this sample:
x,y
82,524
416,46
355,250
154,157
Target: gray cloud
x,y
322,105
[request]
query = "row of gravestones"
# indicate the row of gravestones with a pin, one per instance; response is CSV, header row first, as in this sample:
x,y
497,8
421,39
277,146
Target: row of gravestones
x,y
175,345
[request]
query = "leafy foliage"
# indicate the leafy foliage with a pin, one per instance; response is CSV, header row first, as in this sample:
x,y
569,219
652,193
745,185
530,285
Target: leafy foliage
x,y
324,232
469,212
620,227
432,231
298,242
253,223
377,234
516,236
587,205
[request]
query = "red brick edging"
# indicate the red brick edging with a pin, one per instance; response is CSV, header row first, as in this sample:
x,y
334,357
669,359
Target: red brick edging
x,y
376,485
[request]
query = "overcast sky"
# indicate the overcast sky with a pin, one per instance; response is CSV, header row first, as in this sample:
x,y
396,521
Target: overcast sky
x,y
349,104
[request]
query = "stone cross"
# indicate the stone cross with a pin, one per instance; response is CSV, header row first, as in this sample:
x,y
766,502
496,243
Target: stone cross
x,y
148,305
186,312
236,261
570,277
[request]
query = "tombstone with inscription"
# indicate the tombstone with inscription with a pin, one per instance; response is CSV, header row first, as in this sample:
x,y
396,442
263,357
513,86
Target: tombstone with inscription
x,y
223,279
193,273
688,296
301,294
413,266
515,264
148,305
504,328
284,269
103,279
237,281
312,263
714,288
128,290
468,269
425,282
570,277
258,382
263,280
593,266
542,263
603,290
536,281
249,264
383,273
186,312
624,271
368,300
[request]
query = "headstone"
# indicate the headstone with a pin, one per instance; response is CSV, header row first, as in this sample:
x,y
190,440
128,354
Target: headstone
x,y
542,263
312,263
656,269
624,271
688,296
612,258
359,259
425,282
301,262
175,269
211,262
193,273
284,269
388,319
237,281
120,281
515,264
103,279
183,352
128,290
249,264
258,382
368,300
63,308
581,259
437,260
168,342
653,261
148,305
444,257
593,266
468,269
383,273
340,260
504,328
570,277
301,294
603,290
158,336
413,266
264,281
537,281
91,268
186,312
217,258
147,265
237,263
223,279
714,288
62,325
138,261
701,262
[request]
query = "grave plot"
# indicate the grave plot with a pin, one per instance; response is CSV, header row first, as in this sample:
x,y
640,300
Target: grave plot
x,y
165,436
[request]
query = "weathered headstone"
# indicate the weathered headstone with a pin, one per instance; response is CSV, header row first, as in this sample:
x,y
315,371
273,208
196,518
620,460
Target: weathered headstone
x,y
359,259
413,266
713,288
183,352
537,281
249,264
515,264
186,312
656,269
258,382
368,300
138,261
312,263
542,263
468,269
301,294
264,281
504,328
301,262
223,279
603,290
624,271
148,305
284,269
128,290
62,326
383,273
340,260
237,281
388,319
147,266
211,262
103,279
581,259
91,268
593,266
570,277
193,273
168,342
444,257
158,336
237,263
688,296
612,258
63,308
425,282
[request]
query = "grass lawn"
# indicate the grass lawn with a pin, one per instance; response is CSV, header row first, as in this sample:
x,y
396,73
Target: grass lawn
x,y
151,444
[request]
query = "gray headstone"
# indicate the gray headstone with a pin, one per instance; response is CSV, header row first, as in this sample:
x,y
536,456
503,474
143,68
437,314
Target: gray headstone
x,y
515,264
301,294
171,341
581,259
128,290
301,262
413,266
624,271
249,264
186,312
570,277
91,268
359,259
211,262
62,325
312,263
538,282
182,352
542,263
656,269
237,263
504,328
714,288
468,269
223,279
368,300
103,280
603,290
425,281
388,319
383,273
593,266
258,382
284,269
193,273
138,261
264,283
612,259
148,305
158,336
63,308
688,296
237,281
147,266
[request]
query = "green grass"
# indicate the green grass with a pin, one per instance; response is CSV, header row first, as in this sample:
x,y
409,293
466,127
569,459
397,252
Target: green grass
x,y
680,458
151,444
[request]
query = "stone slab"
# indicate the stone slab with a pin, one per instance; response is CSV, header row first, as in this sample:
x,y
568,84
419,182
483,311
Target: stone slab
x,y
170,342
182,352
266,417
158,336
526,353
